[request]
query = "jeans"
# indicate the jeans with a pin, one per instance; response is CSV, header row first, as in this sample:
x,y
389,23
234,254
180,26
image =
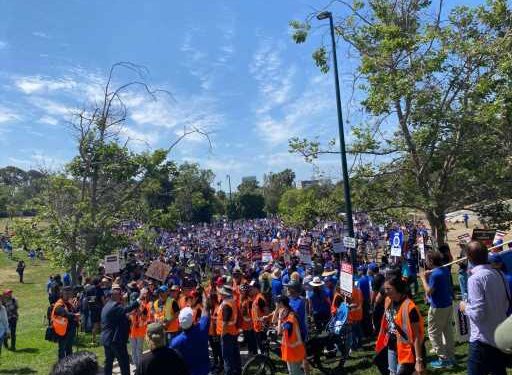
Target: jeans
x,y
485,359
440,331
136,343
216,350
294,368
357,335
261,339
119,352
398,369
231,355
66,344
250,339
12,329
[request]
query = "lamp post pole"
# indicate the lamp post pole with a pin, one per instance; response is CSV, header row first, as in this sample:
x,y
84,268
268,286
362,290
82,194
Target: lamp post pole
x,y
346,182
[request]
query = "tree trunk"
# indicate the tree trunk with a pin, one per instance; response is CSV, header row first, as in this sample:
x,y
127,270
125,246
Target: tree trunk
x,y
436,219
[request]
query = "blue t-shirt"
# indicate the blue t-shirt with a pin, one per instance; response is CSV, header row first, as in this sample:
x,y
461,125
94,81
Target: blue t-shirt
x,y
364,284
298,306
277,287
439,280
193,347
320,303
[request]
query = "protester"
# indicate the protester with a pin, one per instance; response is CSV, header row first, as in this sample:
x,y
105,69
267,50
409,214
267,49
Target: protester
x,y
11,306
247,324
192,342
259,309
401,331
160,360
80,363
293,351
227,329
139,318
438,289
486,307
114,331
64,320
20,269
319,304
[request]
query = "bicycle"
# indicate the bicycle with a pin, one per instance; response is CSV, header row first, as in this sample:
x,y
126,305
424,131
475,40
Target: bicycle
x,y
336,334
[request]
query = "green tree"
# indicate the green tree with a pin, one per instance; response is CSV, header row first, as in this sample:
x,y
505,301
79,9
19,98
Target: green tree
x,y
274,186
430,87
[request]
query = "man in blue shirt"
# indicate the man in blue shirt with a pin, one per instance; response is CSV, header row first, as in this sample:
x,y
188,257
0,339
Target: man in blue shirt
x,y
192,343
277,285
438,289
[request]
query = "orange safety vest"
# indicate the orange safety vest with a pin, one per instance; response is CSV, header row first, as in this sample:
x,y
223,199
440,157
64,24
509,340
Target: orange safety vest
x,y
405,345
59,323
245,310
356,313
166,313
292,346
256,314
231,325
139,322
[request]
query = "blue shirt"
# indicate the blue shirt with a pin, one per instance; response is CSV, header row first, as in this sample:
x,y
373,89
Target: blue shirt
x,y
364,284
439,280
277,287
320,303
193,347
298,306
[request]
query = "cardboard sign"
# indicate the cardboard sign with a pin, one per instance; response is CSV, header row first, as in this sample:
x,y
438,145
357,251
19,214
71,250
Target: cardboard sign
x,y
499,236
112,264
346,277
461,325
158,270
486,236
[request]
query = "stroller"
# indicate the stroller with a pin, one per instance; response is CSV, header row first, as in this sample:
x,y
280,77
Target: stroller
x,y
322,348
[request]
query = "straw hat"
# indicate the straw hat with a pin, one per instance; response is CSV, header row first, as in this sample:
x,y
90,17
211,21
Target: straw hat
x,y
317,281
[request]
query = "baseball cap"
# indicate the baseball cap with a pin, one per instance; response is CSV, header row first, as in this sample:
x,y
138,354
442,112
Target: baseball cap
x,y
163,289
186,318
156,332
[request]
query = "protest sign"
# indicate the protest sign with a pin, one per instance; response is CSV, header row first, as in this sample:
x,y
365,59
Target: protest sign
x,y
461,325
346,276
464,238
337,246
349,242
112,264
486,236
266,252
499,236
158,270
396,240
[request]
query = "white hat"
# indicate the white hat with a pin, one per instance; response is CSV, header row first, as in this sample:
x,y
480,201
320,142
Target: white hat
x,y
186,318
317,281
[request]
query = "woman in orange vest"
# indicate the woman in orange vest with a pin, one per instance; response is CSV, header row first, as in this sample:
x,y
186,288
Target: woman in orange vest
x,y
246,323
293,350
166,310
402,330
138,325
355,316
213,338
259,310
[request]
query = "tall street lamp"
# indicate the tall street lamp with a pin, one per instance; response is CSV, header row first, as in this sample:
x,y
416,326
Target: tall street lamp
x,y
346,182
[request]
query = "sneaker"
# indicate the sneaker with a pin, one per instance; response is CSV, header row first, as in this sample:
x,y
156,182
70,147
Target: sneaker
x,y
438,364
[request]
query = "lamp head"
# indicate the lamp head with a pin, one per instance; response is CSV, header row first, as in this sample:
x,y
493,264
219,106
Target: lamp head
x,y
324,15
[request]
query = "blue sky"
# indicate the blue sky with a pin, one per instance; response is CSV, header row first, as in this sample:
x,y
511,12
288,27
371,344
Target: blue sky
x,y
231,67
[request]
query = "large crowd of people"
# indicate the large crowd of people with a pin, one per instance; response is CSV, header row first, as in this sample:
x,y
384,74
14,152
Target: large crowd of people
x,y
226,284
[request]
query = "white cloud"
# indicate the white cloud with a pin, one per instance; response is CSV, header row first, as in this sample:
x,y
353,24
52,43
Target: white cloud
x,y
274,78
49,120
52,108
8,115
36,84
41,34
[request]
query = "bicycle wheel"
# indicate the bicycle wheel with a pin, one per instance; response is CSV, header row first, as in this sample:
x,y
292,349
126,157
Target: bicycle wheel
x,y
259,365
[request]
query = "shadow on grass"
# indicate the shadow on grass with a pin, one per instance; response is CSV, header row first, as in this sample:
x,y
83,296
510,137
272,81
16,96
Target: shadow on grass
x,y
362,364
19,371
27,350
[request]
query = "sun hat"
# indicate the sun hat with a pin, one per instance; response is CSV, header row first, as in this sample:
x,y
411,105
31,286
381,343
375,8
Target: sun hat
x,y
317,281
186,318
